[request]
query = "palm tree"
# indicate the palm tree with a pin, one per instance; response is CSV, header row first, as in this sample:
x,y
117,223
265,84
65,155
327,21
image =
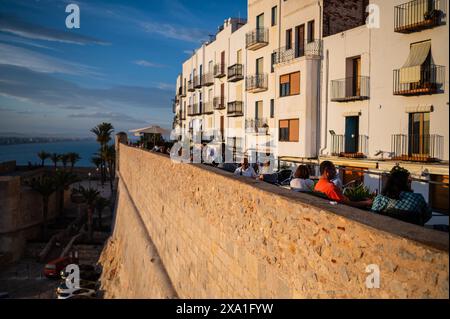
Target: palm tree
x,y
103,133
100,205
91,196
62,181
109,156
45,187
73,159
43,156
64,160
55,158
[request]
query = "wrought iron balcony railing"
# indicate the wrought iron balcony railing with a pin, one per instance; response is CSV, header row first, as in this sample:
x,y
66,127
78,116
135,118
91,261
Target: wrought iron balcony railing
x,y
284,54
198,81
256,83
418,15
257,125
208,107
219,103
235,73
430,79
338,147
207,79
417,147
350,89
191,87
220,70
257,38
235,108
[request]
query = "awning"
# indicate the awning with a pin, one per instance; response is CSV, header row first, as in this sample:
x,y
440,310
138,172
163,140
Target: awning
x,y
410,72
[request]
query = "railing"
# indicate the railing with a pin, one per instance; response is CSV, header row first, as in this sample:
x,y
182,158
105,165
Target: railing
x,y
235,72
417,147
190,111
207,79
194,109
208,108
219,103
220,70
257,38
429,80
183,114
235,108
312,49
418,15
257,125
198,81
350,89
256,83
338,147
191,87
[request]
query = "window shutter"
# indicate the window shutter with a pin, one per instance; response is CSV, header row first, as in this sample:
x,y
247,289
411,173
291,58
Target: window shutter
x,y
284,79
295,83
294,131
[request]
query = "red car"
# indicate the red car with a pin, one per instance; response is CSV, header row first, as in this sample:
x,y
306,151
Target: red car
x,y
53,268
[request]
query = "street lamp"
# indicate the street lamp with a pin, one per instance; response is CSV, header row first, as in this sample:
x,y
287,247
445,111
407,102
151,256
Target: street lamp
x,y
89,175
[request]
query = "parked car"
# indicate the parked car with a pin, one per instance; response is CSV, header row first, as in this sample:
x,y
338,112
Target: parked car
x,y
64,289
81,293
87,272
54,267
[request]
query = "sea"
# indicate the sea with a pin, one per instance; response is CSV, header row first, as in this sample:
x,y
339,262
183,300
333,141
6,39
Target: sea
x,y
25,153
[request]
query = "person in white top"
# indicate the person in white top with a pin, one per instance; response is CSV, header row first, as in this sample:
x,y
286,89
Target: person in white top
x,y
301,181
245,170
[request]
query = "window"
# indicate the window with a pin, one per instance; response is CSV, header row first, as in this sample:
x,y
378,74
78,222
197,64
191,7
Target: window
x,y
289,39
290,84
272,62
272,108
289,130
310,31
274,16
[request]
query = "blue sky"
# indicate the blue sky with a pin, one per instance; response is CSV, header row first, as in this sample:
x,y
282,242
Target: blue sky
x,y
120,66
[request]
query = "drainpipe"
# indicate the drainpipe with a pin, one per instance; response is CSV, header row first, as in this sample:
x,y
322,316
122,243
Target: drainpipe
x,y
326,103
319,85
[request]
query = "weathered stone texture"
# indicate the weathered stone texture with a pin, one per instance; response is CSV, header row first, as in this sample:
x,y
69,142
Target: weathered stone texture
x,y
220,236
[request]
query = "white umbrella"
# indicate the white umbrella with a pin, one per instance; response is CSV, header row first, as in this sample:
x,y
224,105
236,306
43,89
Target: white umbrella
x,y
154,129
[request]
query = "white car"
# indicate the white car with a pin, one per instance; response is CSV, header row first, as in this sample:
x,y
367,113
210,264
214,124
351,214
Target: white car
x,y
80,293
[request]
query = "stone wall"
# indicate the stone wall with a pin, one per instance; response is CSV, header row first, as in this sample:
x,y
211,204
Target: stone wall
x,y
7,167
191,231
339,16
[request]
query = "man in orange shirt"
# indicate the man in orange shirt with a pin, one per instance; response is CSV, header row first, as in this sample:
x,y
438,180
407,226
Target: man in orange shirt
x,y
327,187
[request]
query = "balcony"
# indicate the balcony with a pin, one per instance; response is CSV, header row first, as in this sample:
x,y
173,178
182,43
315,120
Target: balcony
x,y
182,91
350,89
198,81
194,109
235,73
284,54
207,79
183,114
208,108
429,80
219,103
256,83
235,109
191,87
419,15
257,39
220,70
417,148
257,125
340,149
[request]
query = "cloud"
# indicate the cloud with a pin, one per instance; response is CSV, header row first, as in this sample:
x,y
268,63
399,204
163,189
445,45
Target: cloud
x,y
44,89
149,64
108,116
17,56
175,32
13,25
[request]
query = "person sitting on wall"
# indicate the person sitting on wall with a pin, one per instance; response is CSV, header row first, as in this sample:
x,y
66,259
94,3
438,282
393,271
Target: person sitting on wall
x,y
245,169
301,181
398,200
331,191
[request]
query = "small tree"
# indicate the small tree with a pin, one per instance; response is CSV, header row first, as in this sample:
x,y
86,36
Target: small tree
x,y
55,158
100,205
109,156
73,159
45,187
91,196
64,160
62,181
43,156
